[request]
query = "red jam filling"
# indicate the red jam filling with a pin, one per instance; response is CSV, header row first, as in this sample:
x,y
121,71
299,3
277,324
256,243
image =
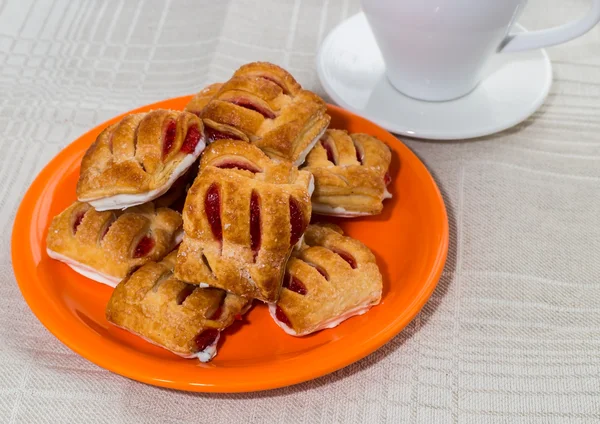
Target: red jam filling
x,y
329,149
78,220
359,157
192,138
205,260
238,164
283,88
169,140
249,104
214,135
185,293
255,233
282,317
106,228
293,284
321,271
347,257
144,246
212,206
206,338
387,179
296,221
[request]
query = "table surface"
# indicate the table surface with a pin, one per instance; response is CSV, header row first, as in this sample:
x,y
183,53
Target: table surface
x,y
512,333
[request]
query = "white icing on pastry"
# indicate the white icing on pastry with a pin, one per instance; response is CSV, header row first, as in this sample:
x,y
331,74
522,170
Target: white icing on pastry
x,y
331,323
124,201
334,322
85,270
322,209
306,151
209,352
94,274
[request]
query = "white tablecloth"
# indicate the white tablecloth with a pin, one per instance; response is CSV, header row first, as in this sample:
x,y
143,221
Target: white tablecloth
x,y
512,333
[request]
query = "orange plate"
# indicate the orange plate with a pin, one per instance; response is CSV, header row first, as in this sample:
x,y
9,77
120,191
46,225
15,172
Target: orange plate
x,y
410,240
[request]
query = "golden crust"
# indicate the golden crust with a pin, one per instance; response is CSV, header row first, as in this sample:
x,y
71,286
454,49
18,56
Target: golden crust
x,y
200,100
107,241
263,104
342,292
153,304
235,264
127,157
355,187
272,72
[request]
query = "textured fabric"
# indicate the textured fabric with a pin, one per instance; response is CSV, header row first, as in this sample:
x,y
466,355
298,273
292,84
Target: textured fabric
x,y
512,333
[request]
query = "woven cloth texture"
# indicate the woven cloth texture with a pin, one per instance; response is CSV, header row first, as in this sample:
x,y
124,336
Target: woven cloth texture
x,y
512,333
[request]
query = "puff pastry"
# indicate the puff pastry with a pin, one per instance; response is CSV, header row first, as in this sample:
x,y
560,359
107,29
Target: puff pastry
x,y
263,104
329,279
107,246
242,217
185,319
200,100
351,174
139,158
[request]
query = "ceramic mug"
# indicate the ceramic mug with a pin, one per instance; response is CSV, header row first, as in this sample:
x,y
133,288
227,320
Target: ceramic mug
x,y
436,49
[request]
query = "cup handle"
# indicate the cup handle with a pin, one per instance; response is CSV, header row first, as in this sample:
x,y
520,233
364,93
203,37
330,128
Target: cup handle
x,y
552,36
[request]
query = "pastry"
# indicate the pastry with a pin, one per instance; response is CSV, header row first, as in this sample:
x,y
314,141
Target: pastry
x,y
174,198
139,158
242,217
185,319
351,174
264,105
200,100
107,246
329,279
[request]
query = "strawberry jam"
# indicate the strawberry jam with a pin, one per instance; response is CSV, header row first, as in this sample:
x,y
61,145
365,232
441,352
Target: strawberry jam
x,y
296,221
282,317
144,246
329,149
293,284
238,164
214,135
192,138
255,234
347,257
212,206
78,220
249,104
169,140
206,338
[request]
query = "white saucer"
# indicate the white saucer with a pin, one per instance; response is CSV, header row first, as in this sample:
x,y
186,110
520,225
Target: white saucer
x,y
352,72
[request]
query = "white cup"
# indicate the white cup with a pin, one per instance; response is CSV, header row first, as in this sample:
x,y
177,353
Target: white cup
x,y
436,49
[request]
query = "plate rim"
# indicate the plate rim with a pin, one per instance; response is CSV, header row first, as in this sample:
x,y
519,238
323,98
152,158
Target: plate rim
x,y
392,328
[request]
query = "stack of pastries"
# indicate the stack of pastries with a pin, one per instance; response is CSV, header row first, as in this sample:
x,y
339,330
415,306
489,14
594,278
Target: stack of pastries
x,y
193,215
